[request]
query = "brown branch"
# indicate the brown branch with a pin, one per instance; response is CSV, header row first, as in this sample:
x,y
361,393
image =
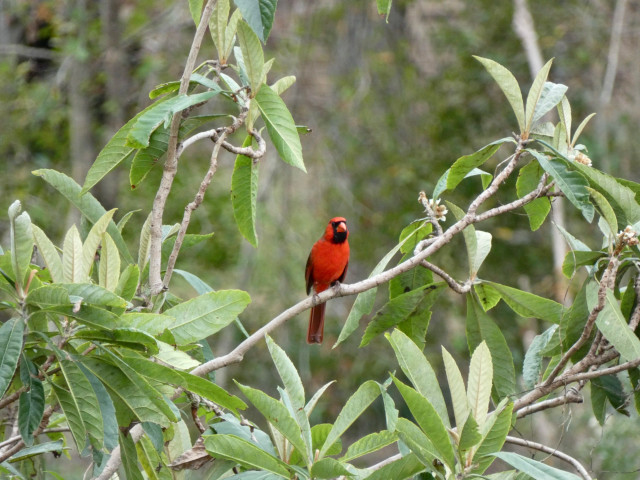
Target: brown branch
x,y
11,440
572,396
453,284
171,164
634,320
20,444
550,451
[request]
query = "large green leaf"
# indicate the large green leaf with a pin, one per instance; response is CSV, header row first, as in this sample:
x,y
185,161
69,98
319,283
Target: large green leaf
x,y
369,444
49,254
10,347
218,27
252,55
259,15
550,96
74,419
133,395
527,304
162,111
534,95
534,468
480,382
109,270
532,365
419,371
244,195
495,431
328,468
356,404
281,127
415,439
84,398
528,180
87,204
620,196
509,86
614,327
429,421
31,405
127,337
245,453
129,457
114,152
456,388
277,415
204,315
56,446
479,327
414,304
605,210
92,241
107,409
21,235
463,165
288,374
72,259
571,183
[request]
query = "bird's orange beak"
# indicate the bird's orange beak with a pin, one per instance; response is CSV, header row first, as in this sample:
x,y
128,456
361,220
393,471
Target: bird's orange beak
x,y
342,227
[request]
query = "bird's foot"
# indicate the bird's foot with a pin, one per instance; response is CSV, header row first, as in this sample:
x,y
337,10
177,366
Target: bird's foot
x,y
336,286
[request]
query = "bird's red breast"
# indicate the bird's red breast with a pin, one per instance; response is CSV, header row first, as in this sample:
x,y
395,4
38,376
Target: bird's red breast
x,y
327,264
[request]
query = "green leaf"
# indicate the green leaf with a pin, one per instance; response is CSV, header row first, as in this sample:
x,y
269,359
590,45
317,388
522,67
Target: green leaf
x,y
128,282
605,210
609,387
244,195
356,404
281,127
109,271
277,415
429,421
92,241
412,234
527,304
218,27
369,444
84,399
195,8
577,258
551,95
56,446
470,436
441,185
414,438
21,235
456,388
74,419
10,347
127,337
107,409
245,453
252,55
281,85
480,327
535,93
509,86
528,180
478,246
479,382
138,396
259,15
129,458
206,314
384,8
494,432
328,468
49,254
31,405
614,327
532,365
564,112
72,259
401,469
570,182
534,468
114,152
288,373
308,408
462,166
141,130
416,303
581,127
87,204
145,244
482,249
364,301
94,295
488,296
419,371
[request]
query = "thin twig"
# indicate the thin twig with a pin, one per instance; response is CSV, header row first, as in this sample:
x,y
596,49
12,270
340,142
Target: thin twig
x,y
550,451
20,444
572,396
16,438
453,284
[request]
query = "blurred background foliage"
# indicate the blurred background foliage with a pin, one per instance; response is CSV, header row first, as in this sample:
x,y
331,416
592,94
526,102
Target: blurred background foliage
x,y
390,105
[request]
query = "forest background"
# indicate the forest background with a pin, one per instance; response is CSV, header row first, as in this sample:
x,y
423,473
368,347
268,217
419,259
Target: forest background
x,y
390,104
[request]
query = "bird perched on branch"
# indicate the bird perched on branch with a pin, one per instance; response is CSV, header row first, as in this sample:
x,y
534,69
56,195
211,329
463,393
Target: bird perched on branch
x,y
326,266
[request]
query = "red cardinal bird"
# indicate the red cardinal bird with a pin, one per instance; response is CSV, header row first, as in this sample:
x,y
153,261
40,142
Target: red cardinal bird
x,y
327,264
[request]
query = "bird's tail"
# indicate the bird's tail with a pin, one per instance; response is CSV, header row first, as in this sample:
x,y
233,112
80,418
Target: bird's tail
x,y
316,324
